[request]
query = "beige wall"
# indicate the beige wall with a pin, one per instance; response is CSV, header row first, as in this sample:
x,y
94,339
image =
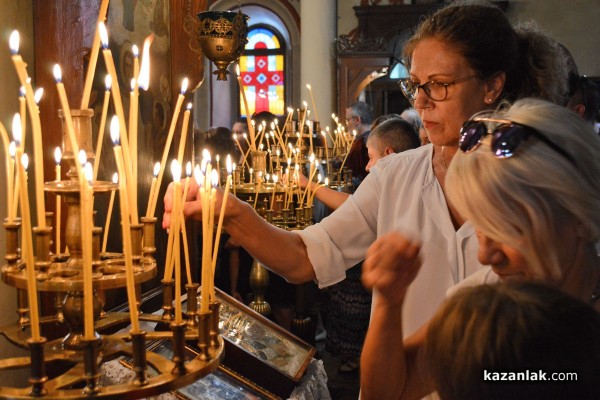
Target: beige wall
x,y
15,15
574,23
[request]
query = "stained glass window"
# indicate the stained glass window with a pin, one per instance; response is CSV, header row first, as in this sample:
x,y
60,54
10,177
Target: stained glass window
x,y
262,69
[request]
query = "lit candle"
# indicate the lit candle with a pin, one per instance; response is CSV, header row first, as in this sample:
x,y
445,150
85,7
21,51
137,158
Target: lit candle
x,y
233,177
326,152
125,227
8,161
116,94
21,69
248,116
107,84
12,150
188,174
312,99
115,180
275,178
176,171
86,216
23,111
28,246
211,226
57,158
184,133
152,187
68,121
154,196
222,213
89,77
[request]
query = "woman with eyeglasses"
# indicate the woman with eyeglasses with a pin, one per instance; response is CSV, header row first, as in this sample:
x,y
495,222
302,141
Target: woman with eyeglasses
x,y
528,179
462,59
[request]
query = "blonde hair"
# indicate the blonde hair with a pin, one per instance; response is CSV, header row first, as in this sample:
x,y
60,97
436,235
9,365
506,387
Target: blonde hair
x,y
526,200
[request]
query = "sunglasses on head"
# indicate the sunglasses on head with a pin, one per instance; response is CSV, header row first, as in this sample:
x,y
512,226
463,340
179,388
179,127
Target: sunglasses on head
x,y
506,137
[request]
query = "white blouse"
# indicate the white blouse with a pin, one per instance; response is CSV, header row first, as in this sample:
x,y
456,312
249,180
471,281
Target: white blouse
x,y
401,193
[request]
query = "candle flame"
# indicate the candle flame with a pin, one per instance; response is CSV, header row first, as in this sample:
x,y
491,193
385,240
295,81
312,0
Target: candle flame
x,y
156,169
319,177
308,86
135,51
108,82
22,91
82,157
324,134
25,161
17,131
233,167
132,84
57,155
237,69
188,169
290,110
311,158
57,73
12,149
37,96
214,178
176,170
115,178
13,42
144,77
115,130
88,171
326,181
305,104
218,157
275,178
189,106
206,155
228,164
184,85
103,35
272,125
198,176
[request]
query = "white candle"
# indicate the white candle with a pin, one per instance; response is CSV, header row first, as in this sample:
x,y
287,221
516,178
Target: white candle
x,y
28,247
101,129
115,180
116,94
126,230
57,158
89,77
152,187
154,196
86,216
176,171
21,69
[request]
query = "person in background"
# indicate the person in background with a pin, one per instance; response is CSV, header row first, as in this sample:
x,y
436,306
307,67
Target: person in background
x,y
528,179
359,118
393,135
516,330
454,73
585,100
348,304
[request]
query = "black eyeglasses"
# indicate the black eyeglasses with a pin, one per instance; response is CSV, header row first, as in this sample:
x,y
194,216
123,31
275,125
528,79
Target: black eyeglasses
x,y
351,119
506,137
436,91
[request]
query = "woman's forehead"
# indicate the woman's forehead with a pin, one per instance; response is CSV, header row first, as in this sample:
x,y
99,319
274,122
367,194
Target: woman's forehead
x,y
436,57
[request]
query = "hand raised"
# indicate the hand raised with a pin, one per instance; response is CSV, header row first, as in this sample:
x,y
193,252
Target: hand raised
x,y
391,265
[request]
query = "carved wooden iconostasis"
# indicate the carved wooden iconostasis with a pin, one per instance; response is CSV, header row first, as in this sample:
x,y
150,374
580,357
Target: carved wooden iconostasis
x,y
64,31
